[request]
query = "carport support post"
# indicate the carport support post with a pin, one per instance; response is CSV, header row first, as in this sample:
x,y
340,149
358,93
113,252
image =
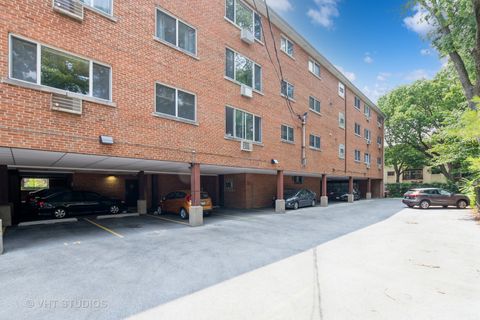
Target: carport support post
x,y
195,214
324,197
369,189
351,197
280,201
142,188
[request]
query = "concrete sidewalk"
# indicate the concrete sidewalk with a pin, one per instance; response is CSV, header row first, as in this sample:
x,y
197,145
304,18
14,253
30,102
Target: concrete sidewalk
x,y
418,264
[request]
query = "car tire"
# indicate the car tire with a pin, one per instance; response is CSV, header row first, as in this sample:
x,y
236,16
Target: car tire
x,y
424,204
295,206
114,209
60,213
314,203
160,211
462,204
183,214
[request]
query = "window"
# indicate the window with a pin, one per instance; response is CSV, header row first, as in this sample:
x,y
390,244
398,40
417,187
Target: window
x,y
368,135
31,184
314,67
444,192
341,151
358,155
436,170
39,64
379,161
341,90
243,70
297,179
314,142
379,141
175,103
391,173
176,32
240,14
367,111
413,174
242,125
287,133
102,5
379,121
341,120
288,89
367,159
314,104
357,102
286,46
358,129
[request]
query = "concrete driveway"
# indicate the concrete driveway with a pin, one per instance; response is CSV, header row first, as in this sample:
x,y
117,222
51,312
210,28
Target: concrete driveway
x,y
372,259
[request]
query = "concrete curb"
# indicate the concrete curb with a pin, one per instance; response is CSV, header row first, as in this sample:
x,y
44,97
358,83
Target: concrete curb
x,y
52,221
116,216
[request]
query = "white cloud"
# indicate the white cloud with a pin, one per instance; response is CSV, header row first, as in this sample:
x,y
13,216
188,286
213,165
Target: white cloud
x,y
325,12
375,92
280,5
368,58
419,22
425,52
418,74
383,76
350,75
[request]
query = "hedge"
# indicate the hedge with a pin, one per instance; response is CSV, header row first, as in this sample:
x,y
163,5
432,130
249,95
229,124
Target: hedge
x,y
395,190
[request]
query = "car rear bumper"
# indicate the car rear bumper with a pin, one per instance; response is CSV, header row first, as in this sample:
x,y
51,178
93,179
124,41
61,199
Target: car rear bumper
x,y
410,202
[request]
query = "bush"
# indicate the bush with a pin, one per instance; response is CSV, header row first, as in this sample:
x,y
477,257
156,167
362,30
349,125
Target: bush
x,y
396,190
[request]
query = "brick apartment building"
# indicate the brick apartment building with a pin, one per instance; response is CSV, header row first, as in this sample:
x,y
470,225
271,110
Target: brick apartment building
x,y
134,99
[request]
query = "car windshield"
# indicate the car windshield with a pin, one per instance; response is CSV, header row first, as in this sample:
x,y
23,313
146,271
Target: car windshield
x,y
290,193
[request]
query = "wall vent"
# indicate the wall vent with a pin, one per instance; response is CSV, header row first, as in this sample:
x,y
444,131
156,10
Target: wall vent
x,y
71,8
66,104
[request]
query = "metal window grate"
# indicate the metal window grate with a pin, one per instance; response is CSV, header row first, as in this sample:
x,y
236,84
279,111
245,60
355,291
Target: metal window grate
x,y
71,8
66,104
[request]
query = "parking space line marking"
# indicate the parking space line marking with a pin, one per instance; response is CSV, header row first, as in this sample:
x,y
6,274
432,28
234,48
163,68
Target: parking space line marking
x,y
170,220
104,228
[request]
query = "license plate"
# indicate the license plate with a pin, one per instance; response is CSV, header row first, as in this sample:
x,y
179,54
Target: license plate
x,y
203,203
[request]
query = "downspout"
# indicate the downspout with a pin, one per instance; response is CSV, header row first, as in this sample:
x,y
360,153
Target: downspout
x,y
304,138
346,128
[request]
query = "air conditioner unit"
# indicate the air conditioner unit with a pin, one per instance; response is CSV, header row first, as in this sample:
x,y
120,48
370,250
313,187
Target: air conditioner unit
x,y
368,165
246,146
379,124
247,36
379,146
368,117
66,104
246,91
369,142
379,167
71,8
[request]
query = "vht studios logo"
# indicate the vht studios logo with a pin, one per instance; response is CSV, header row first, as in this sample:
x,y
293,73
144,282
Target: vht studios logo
x,y
66,303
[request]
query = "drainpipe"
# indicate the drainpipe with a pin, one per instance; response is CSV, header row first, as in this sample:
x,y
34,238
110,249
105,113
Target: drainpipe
x,y
304,135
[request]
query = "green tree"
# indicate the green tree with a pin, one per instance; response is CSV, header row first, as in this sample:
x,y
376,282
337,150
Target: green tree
x,y
418,114
456,34
402,157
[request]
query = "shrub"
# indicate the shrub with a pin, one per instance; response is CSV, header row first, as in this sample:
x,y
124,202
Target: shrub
x,y
396,190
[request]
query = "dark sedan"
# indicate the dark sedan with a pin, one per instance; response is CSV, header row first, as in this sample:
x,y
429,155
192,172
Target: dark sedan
x,y
71,203
426,197
295,199
343,195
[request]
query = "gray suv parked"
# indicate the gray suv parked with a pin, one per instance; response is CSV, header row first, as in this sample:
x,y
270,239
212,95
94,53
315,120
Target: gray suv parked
x,y
426,197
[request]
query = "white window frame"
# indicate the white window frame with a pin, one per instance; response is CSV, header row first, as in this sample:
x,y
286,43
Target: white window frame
x,y
313,147
367,134
368,160
380,141
359,153
234,137
367,111
341,151
357,99
235,71
175,46
169,116
312,62
254,12
39,68
379,162
286,96
355,129
315,100
292,140
90,5
341,90
287,40
341,116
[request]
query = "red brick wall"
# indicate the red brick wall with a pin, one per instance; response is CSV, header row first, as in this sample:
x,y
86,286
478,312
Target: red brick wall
x,y
106,185
138,62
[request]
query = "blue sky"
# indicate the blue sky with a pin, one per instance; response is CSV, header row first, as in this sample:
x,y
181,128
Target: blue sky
x,y
376,43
